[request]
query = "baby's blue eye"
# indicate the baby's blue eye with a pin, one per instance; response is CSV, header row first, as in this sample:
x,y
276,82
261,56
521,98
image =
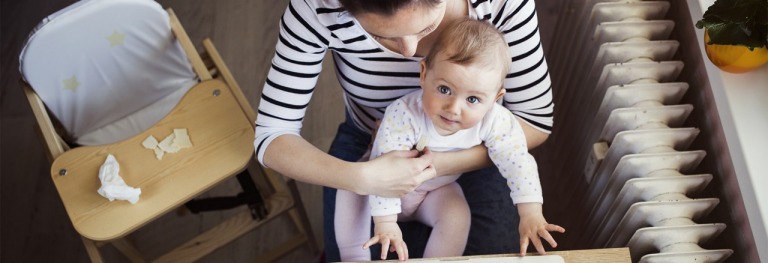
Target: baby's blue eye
x,y
473,100
444,90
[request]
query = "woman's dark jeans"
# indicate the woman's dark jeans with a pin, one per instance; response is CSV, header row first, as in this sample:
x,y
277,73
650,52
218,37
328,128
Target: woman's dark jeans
x,y
494,228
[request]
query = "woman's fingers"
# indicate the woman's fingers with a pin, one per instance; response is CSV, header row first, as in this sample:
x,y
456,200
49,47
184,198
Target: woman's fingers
x,y
397,173
428,172
404,154
426,157
419,160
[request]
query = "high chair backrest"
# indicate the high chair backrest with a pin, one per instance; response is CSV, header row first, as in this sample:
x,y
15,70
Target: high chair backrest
x,y
107,69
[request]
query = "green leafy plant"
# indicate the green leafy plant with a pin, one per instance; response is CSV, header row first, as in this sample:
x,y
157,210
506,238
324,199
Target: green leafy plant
x,y
737,22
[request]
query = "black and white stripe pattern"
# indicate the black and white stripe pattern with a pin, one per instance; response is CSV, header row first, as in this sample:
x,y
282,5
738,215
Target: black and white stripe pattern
x,y
372,77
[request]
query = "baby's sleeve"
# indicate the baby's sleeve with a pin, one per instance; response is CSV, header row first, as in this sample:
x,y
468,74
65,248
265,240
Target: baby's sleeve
x,y
508,150
396,132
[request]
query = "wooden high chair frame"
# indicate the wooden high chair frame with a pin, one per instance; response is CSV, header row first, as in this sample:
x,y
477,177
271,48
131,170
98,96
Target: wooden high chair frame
x,y
222,147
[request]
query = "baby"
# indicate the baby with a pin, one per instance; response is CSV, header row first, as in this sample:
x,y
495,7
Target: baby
x,y
461,81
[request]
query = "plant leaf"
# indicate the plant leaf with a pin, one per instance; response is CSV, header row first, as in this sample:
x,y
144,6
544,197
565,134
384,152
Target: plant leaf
x,y
738,11
737,22
731,34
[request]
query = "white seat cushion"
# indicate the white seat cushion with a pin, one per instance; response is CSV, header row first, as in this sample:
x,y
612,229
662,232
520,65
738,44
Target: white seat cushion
x,y
107,69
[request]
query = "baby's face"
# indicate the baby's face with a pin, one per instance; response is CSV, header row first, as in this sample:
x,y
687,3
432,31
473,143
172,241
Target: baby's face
x,y
457,97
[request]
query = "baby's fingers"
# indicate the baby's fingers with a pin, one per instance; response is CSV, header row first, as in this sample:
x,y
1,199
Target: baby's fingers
x,y
371,242
537,243
405,248
547,236
402,251
555,228
384,248
523,246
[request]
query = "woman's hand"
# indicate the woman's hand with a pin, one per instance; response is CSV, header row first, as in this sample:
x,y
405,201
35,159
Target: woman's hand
x,y
396,173
388,233
533,226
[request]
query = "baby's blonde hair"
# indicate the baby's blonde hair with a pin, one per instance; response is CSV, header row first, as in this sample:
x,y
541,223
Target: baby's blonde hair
x,y
471,42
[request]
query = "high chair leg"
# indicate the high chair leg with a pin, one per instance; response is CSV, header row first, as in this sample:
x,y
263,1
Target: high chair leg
x,y
127,248
92,250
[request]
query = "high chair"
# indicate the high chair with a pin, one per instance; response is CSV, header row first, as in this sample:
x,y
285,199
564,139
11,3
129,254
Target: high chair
x,y
101,77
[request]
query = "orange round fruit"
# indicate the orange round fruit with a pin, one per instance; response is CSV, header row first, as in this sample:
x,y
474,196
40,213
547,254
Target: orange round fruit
x,y
735,59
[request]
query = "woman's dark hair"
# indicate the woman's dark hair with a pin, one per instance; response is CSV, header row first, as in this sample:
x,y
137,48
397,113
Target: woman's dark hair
x,y
384,7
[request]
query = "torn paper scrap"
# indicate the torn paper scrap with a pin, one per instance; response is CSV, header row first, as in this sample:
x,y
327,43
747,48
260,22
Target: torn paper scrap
x,y
112,185
172,143
181,139
150,142
423,141
166,144
159,153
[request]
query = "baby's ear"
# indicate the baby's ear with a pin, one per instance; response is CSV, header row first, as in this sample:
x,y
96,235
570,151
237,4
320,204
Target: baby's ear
x,y
422,73
422,70
502,91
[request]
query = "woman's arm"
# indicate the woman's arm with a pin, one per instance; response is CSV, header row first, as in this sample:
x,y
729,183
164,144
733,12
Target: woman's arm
x,y
300,49
534,137
528,84
457,162
392,175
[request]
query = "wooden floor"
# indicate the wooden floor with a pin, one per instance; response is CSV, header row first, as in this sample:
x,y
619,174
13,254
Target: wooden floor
x,y
33,223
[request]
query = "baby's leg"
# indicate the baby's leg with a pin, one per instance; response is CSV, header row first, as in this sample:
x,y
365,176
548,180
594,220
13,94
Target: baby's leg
x,y
447,212
352,225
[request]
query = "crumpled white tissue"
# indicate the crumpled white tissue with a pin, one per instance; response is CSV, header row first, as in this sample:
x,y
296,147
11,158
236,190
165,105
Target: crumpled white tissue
x,y
112,185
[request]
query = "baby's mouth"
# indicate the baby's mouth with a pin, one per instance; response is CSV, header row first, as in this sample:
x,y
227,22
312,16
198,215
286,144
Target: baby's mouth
x,y
448,120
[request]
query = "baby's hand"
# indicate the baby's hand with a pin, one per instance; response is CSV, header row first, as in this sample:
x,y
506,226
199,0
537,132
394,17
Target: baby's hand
x,y
389,235
533,225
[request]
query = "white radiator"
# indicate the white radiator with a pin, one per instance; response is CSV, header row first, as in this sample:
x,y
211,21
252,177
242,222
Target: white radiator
x,y
639,157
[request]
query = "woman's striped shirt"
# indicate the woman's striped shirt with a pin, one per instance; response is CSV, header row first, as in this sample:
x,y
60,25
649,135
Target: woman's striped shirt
x,y
372,76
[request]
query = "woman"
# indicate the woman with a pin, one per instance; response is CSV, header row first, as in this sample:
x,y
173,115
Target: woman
x,y
377,46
